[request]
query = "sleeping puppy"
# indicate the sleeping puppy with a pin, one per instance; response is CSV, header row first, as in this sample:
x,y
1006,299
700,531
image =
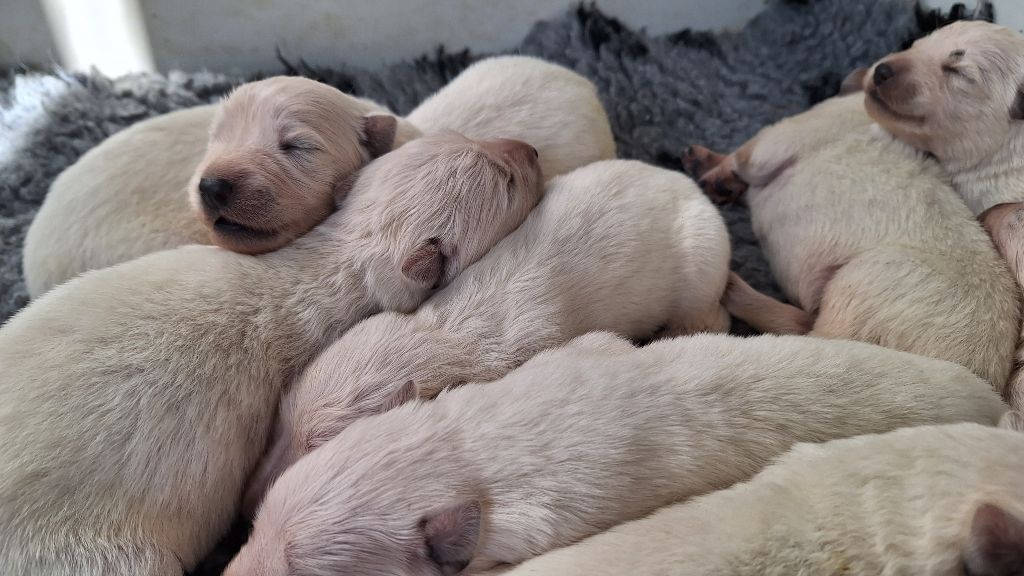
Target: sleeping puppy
x,y
617,245
868,239
959,95
938,500
580,439
130,196
136,400
280,151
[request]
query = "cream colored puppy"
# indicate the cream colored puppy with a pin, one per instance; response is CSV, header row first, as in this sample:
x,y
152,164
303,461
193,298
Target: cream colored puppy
x,y
135,400
617,245
937,500
580,439
959,94
869,240
280,151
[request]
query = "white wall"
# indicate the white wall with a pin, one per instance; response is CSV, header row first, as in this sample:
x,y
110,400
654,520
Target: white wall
x,y
240,35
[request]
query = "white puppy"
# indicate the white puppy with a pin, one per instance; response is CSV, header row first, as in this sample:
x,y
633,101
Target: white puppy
x,y
869,240
937,500
579,439
279,152
959,94
135,400
617,245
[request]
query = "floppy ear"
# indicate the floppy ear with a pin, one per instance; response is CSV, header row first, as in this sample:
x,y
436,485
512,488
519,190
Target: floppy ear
x,y
996,544
451,536
379,134
407,393
425,264
854,82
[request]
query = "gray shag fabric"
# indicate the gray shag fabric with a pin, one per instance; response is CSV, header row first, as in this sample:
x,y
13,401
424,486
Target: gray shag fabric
x,y
662,93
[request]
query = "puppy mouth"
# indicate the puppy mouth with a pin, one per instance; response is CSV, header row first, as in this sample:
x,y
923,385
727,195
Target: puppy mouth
x,y
884,106
235,229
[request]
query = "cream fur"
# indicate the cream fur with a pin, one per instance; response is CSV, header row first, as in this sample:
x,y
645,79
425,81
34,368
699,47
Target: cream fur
x,y
581,438
617,245
135,400
869,240
122,199
899,503
96,215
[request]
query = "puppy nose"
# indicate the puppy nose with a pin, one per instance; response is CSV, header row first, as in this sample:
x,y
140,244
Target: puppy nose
x,y
883,72
214,192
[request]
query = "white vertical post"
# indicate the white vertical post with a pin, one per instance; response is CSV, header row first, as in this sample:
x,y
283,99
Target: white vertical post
x,y
109,35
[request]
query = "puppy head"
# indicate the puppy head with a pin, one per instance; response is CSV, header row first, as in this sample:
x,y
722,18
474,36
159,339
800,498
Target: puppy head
x,y
436,205
379,364
278,151
958,93
358,506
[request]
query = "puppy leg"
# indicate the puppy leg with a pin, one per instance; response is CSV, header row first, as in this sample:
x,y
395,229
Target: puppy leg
x,y
717,174
764,313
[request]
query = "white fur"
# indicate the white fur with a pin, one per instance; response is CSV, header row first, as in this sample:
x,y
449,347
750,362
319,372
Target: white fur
x,y
135,400
128,196
617,245
896,503
582,438
864,233
549,106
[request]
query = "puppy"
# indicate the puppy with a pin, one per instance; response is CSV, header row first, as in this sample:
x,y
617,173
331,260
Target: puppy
x,y
280,151
135,400
580,439
959,95
868,239
617,245
939,500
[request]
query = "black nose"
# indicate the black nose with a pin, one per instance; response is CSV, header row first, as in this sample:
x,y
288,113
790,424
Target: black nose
x,y
883,72
536,154
214,192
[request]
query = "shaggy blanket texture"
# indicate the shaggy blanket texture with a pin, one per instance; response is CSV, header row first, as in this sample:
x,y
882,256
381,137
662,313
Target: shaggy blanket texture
x,y
662,93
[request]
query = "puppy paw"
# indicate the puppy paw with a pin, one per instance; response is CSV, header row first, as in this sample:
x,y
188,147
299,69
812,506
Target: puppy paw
x,y
722,186
698,160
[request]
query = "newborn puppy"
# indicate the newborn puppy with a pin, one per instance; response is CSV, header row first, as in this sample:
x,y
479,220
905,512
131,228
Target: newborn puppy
x,y
580,439
280,151
120,200
551,107
279,154
959,95
938,500
869,240
617,245
135,400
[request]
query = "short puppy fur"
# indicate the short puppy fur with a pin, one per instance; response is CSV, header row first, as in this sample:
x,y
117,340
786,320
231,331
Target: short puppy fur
x,y
869,241
135,400
938,500
617,245
580,439
958,94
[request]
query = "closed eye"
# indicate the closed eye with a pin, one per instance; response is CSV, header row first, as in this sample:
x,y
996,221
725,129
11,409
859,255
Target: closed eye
x,y
298,146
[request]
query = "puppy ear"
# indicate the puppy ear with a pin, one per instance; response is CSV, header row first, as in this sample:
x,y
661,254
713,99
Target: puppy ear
x,y
854,82
1012,421
379,134
425,264
996,543
407,393
451,536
